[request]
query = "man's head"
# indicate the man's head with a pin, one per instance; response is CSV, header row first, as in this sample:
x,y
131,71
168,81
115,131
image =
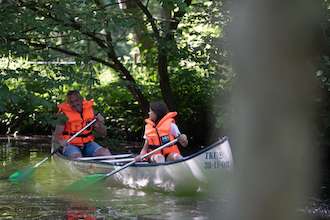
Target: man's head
x,y
75,100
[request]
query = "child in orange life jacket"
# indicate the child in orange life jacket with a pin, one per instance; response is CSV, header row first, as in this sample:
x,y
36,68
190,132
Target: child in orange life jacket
x,y
160,129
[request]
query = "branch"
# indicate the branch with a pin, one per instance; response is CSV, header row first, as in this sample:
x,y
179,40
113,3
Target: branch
x,y
93,58
75,25
71,53
110,4
150,18
178,16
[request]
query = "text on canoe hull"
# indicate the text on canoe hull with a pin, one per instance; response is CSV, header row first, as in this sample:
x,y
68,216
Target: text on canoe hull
x,y
215,159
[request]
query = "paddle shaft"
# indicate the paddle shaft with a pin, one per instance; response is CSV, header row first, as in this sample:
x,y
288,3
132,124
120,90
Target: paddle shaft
x,y
120,160
144,156
67,141
105,157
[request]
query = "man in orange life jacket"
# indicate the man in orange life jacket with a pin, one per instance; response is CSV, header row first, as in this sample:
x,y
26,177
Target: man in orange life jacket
x,y
79,112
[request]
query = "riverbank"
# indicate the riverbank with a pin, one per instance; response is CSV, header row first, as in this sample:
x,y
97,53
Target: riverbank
x,y
115,145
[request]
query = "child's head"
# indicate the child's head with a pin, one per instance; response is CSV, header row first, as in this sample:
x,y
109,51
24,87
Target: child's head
x,y
158,109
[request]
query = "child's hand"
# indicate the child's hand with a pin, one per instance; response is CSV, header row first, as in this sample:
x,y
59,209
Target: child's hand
x,y
139,157
183,140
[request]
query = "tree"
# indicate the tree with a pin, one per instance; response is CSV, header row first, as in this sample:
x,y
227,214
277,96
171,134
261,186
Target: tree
x,y
71,27
154,49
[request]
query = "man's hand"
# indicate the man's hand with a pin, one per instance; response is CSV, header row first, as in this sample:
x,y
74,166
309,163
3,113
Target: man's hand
x,y
59,138
99,125
99,118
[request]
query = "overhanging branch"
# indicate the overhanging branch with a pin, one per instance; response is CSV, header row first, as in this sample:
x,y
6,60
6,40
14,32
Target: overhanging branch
x,y
150,18
71,53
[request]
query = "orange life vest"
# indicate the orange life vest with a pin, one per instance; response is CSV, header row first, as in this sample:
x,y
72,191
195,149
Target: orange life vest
x,y
160,134
77,121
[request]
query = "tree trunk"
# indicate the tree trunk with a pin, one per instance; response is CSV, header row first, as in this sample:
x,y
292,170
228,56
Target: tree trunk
x,y
132,86
163,48
162,58
139,30
124,74
164,79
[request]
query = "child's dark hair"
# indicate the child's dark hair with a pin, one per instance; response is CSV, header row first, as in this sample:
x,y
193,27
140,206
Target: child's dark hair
x,y
160,108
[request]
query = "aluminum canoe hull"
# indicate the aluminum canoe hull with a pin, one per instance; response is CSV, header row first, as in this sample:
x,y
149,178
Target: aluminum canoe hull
x,y
193,173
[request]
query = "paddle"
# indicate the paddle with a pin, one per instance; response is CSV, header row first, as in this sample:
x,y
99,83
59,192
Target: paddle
x,y
27,172
105,157
89,180
121,160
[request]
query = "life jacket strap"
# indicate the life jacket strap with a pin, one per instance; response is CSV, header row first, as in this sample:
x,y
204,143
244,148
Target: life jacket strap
x,y
80,135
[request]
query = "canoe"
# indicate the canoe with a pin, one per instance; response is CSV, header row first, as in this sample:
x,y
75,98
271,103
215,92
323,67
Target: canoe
x,y
192,173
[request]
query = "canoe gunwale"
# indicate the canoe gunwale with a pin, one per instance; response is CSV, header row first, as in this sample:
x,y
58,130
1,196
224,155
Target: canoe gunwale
x,y
146,164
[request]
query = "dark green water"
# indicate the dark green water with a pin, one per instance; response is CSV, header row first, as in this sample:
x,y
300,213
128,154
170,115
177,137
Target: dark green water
x,y
41,197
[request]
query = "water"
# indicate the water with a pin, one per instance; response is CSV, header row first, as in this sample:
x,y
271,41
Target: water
x,y
41,197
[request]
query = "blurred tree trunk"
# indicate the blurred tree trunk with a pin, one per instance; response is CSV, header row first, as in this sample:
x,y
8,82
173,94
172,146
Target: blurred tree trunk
x,y
274,108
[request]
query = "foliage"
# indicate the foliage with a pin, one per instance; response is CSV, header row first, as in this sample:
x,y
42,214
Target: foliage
x,y
95,37
99,36
29,95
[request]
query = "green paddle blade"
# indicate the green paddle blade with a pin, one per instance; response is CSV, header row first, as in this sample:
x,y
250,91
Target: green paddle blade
x,y
21,175
85,182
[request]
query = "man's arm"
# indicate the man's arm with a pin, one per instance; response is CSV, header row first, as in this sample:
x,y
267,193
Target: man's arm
x,y
59,135
59,129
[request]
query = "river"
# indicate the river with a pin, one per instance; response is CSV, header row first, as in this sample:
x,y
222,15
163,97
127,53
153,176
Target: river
x,y
42,196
